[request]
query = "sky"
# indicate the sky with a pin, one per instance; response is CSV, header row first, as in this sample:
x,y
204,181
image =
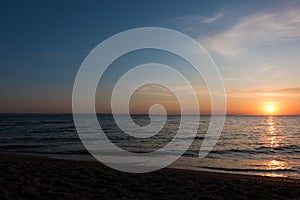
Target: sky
x,y
255,46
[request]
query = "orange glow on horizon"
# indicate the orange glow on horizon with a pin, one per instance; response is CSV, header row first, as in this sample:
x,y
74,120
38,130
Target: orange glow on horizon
x,y
259,105
237,103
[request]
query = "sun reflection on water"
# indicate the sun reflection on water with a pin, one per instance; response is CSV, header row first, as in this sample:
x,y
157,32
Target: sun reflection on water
x,y
273,139
272,133
277,165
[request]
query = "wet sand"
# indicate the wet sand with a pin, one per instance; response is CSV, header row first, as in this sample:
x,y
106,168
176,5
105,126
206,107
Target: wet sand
x,y
29,177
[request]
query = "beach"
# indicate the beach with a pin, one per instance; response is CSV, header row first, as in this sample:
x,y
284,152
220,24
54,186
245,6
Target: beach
x,y
31,177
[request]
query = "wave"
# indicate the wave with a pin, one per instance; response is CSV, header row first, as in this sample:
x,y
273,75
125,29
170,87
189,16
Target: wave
x,y
193,138
260,150
229,151
288,147
247,169
27,149
11,147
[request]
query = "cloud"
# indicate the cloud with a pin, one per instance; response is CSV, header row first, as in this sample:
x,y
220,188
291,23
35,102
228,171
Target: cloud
x,y
212,19
154,89
265,27
159,90
293,91
230,78
197,23
288,90
265,68
196,20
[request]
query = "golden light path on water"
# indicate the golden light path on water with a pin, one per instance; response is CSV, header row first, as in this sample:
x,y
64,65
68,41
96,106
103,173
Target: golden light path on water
x,y
273,140
261,145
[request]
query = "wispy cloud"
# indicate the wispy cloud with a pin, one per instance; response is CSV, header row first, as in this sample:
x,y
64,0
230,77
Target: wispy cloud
x,y
209,20
158,90
197,23
154,89
293,91
230,78
195,19
265,27
270,90
265,68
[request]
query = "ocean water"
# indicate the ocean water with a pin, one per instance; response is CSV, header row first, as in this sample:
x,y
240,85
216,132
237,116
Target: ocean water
x,y
260,145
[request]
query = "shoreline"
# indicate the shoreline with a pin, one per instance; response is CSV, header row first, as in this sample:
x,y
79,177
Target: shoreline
x,y
31,177
171,166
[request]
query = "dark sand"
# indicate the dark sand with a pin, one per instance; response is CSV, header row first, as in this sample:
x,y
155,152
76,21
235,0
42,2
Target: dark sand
x,y
27,177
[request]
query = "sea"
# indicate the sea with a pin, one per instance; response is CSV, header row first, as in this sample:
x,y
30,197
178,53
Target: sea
x,y
255,145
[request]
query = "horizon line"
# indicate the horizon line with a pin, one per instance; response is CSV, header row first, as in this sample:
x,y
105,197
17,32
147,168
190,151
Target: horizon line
x,y
141,114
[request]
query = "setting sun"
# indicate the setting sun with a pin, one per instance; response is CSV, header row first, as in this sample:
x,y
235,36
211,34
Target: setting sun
x,y
270,108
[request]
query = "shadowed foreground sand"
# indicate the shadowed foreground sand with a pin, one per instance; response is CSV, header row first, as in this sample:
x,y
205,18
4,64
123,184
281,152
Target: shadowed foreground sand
x,y
26,177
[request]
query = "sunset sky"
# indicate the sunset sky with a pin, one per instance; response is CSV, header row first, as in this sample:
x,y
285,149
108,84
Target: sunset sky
x,y
255,45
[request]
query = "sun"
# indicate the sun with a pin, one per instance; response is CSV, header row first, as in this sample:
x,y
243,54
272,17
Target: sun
x,y
270,108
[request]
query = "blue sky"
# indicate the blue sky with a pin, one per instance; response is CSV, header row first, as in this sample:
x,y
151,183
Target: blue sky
x,y
43,43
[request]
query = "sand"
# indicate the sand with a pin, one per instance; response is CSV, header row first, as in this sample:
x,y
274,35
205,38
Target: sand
x,y
29,177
